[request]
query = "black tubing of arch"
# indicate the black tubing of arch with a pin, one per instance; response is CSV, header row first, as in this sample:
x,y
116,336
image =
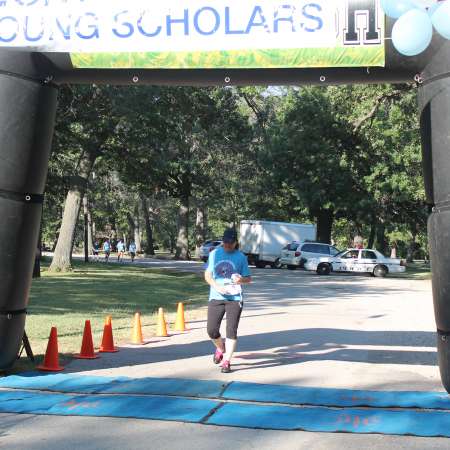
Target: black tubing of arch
x,y
27,113
434,103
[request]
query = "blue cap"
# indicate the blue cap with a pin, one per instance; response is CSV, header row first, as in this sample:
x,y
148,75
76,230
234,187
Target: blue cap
x,y
229,236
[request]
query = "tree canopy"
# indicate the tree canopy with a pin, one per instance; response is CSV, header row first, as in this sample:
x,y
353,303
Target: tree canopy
x,y
173,166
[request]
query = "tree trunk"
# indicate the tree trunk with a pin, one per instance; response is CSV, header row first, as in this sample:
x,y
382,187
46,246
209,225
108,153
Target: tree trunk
x,y
411,249
131,226
87,229
135,231
148,247
62,259
91,227
200,230
381,243
325,218
373,230
394,251
182,250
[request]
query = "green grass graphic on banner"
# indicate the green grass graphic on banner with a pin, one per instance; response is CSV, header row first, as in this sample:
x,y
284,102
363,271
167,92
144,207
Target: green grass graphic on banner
x,y
352,56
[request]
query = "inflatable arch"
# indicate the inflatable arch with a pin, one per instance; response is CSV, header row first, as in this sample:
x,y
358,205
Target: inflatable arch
x,y
43,46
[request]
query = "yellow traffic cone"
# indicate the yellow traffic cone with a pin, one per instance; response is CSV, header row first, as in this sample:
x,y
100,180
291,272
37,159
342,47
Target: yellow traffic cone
x,y
162,327
136,337
180,324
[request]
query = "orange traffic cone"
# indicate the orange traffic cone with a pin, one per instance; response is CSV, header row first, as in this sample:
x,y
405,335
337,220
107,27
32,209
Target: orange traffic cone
x,y
87,346
136,337
51,360
107,339
162,327
180,324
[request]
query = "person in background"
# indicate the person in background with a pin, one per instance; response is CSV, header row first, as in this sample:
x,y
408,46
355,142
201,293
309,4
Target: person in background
x,y
132,250
120,250
107,249
95,250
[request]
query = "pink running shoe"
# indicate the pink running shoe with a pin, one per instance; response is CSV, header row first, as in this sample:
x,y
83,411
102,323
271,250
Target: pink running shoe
x,y
226,368
218,356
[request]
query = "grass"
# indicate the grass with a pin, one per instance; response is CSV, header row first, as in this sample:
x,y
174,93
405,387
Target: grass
x,y
415,271
93,291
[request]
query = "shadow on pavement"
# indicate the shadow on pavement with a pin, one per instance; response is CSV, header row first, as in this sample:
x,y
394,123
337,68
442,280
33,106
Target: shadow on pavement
x,y
290,347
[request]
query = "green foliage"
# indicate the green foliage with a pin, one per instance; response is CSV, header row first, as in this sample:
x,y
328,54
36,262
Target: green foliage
x,y
348,157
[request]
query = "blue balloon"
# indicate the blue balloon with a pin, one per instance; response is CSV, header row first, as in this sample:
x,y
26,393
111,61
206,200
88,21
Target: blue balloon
x,y
396,8
432,9
412,33
441,19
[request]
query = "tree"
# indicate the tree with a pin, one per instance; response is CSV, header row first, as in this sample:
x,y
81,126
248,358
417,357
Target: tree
x,y
88,129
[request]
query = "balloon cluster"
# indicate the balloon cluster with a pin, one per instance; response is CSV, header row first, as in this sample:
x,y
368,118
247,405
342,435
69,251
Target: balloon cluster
x,y
413,31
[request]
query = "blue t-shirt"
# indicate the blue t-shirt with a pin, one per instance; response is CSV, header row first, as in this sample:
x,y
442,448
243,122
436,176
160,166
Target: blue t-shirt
x,y
222,265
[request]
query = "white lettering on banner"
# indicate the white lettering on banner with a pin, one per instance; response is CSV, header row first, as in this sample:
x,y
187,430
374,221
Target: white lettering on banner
x,y
184,25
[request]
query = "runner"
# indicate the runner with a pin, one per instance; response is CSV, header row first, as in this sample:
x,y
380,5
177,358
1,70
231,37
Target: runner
x,y
95,250
120,250
227,270
107,249
132,251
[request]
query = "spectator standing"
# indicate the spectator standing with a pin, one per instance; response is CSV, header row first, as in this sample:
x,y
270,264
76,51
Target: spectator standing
x,y
107,249
120,250
132,250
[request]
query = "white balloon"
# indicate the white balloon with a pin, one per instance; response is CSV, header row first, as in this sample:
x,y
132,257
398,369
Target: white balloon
x,y
441,19
396,8
412,33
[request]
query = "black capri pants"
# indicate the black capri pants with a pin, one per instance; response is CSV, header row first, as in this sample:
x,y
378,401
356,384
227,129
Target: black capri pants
x,y
216,311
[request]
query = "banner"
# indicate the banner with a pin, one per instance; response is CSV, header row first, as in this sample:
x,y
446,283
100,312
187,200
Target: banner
x,y
199,34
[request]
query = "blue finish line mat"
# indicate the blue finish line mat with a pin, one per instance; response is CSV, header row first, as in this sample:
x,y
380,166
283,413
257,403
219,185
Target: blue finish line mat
x,y
129,406
236,390
230,404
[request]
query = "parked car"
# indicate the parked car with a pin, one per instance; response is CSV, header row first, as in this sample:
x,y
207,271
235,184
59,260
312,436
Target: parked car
x,y
295,254
207,248
356,260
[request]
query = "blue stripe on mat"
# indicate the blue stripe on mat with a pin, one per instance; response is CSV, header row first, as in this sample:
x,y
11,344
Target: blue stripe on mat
x,y
130,406
267,393
401,422
435,423
294,395
114,385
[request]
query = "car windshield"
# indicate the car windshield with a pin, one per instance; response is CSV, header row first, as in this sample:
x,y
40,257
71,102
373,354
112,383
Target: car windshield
x,y
337,255
211,243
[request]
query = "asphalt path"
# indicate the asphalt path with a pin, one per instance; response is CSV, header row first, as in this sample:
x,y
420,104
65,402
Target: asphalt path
x,y
297,328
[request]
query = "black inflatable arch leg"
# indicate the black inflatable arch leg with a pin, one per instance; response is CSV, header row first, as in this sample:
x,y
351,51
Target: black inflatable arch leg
x,y
434,102
27,113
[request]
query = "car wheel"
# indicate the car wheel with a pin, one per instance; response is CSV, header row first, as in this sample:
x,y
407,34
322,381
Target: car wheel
x,y
276,264
260,264
323,269
380,271
291,267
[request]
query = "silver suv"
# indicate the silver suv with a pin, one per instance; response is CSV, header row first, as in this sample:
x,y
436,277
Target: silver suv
x,y
295,254
208,247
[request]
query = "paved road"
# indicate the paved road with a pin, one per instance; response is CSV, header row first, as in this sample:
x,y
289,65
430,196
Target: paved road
x,y
297,328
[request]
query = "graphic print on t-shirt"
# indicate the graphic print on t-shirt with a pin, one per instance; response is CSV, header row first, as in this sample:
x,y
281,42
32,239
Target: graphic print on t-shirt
x,y
224,269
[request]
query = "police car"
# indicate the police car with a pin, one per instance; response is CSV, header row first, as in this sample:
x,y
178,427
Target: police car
x,y
356,260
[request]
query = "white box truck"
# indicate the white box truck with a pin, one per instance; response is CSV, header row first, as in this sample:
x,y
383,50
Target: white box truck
x,y
263,240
